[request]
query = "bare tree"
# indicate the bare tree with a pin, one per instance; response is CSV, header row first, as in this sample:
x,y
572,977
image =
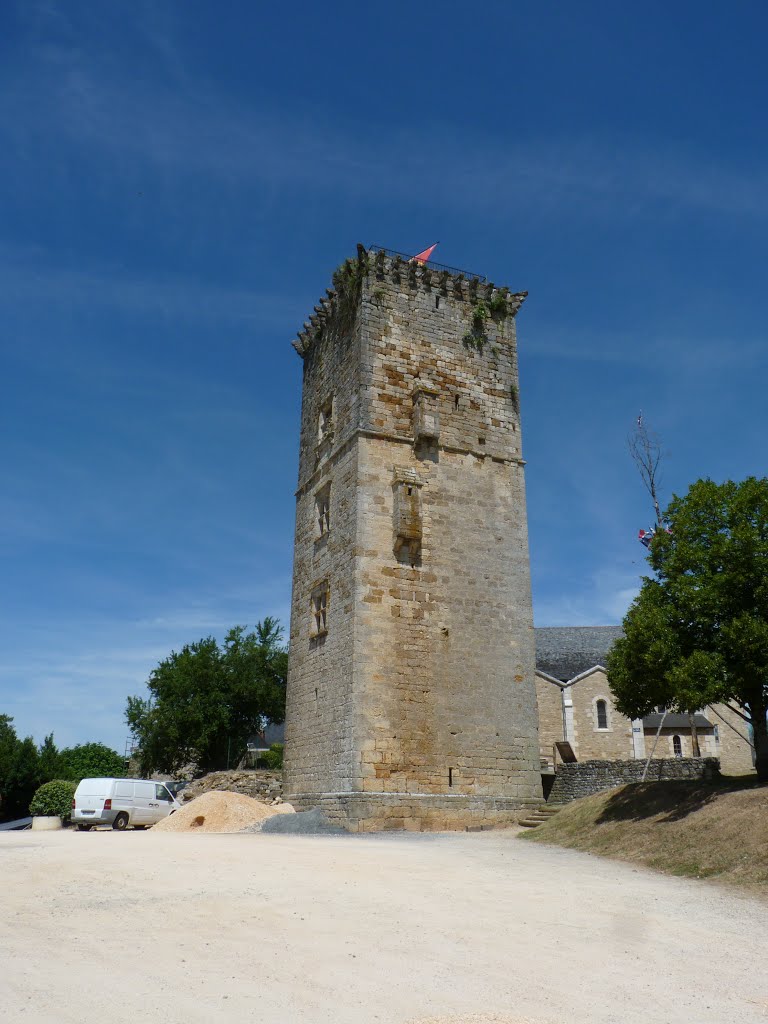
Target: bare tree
x,y
645,448
646,451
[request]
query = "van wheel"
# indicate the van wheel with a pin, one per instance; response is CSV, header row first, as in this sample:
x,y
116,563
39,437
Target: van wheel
x,y
120,824
84,828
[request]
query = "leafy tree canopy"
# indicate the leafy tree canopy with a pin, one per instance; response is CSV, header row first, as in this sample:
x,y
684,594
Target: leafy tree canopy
x,y
19,771
206,699
24,767
48,759
698,631
89,761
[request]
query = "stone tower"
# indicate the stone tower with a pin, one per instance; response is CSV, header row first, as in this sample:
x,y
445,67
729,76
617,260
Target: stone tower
x,y
411,695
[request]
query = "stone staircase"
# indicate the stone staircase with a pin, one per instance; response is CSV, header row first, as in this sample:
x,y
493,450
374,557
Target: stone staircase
x,y
537,816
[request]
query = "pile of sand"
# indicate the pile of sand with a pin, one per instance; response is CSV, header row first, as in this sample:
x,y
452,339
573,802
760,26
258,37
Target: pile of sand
x,y
220,812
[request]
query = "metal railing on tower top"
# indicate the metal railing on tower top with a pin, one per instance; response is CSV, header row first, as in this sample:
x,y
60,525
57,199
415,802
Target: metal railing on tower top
x,y
427,263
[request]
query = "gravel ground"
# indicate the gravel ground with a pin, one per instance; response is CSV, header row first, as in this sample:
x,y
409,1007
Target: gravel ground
x,y
396,929
302,823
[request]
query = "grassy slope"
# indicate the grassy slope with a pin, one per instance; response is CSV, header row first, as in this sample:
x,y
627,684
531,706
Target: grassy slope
x,y
682,828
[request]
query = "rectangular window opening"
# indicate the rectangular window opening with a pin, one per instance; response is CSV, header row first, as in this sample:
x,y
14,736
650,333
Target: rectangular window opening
x,y
322,512
325,422
319,610
450,776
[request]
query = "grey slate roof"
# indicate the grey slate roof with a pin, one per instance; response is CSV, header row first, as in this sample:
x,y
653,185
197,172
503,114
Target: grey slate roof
x,y
566,651
675,721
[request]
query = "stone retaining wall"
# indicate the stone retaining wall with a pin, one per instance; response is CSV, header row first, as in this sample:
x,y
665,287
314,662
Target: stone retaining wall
x,y
576,780
256,783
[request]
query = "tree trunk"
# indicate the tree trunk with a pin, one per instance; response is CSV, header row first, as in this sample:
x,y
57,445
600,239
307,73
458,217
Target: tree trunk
x,y
695,751
760,731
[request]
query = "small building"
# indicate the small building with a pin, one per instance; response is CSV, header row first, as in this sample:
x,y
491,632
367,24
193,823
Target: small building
x,y
576,705
261,742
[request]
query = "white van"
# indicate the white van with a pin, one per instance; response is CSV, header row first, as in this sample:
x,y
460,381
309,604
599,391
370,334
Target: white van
x,y
120,803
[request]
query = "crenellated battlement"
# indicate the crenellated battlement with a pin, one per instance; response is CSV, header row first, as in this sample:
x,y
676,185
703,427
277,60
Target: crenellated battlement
x,y
340,302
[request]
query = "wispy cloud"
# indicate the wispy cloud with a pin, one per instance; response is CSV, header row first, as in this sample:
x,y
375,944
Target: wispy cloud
x,y
29,277
601,598
581,176
78,94
75,676
647,347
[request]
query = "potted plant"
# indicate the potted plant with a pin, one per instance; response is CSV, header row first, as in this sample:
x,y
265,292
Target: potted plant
x,y
51,805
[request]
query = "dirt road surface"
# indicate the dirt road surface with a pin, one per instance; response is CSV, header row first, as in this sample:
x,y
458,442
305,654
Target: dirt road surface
x,y
180,929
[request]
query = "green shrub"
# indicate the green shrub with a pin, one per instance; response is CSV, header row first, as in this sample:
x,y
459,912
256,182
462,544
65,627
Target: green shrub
x,y
54,798
272,758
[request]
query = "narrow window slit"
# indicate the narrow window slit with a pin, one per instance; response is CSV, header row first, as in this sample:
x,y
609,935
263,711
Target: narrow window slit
x,y
602,714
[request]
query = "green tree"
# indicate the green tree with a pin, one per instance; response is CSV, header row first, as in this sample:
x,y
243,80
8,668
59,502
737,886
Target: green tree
x,y
19,771
698,631
89,761
48,759
8,743
206,699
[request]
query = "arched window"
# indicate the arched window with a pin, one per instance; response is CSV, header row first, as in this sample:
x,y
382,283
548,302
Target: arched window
x,y
677,746
602,714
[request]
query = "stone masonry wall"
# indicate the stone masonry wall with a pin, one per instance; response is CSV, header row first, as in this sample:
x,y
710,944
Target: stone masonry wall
x,y
549,697
447,702
413,812
257,783
319,744
733,746
424,684
576,780
588,740
666,748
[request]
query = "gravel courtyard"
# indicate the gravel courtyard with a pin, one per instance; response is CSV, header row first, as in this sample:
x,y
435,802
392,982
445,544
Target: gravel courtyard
x,y
179,929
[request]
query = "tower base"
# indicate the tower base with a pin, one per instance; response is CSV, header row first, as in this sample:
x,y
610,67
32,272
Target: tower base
x,y
415,812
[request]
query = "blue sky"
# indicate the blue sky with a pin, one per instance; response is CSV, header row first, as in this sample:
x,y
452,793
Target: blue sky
x,y
178,181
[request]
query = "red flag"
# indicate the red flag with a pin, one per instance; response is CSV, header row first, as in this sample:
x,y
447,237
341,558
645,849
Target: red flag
x,y
422,257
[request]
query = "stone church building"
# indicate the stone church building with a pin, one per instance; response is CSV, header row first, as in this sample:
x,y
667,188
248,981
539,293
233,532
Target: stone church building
x,y
575,704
